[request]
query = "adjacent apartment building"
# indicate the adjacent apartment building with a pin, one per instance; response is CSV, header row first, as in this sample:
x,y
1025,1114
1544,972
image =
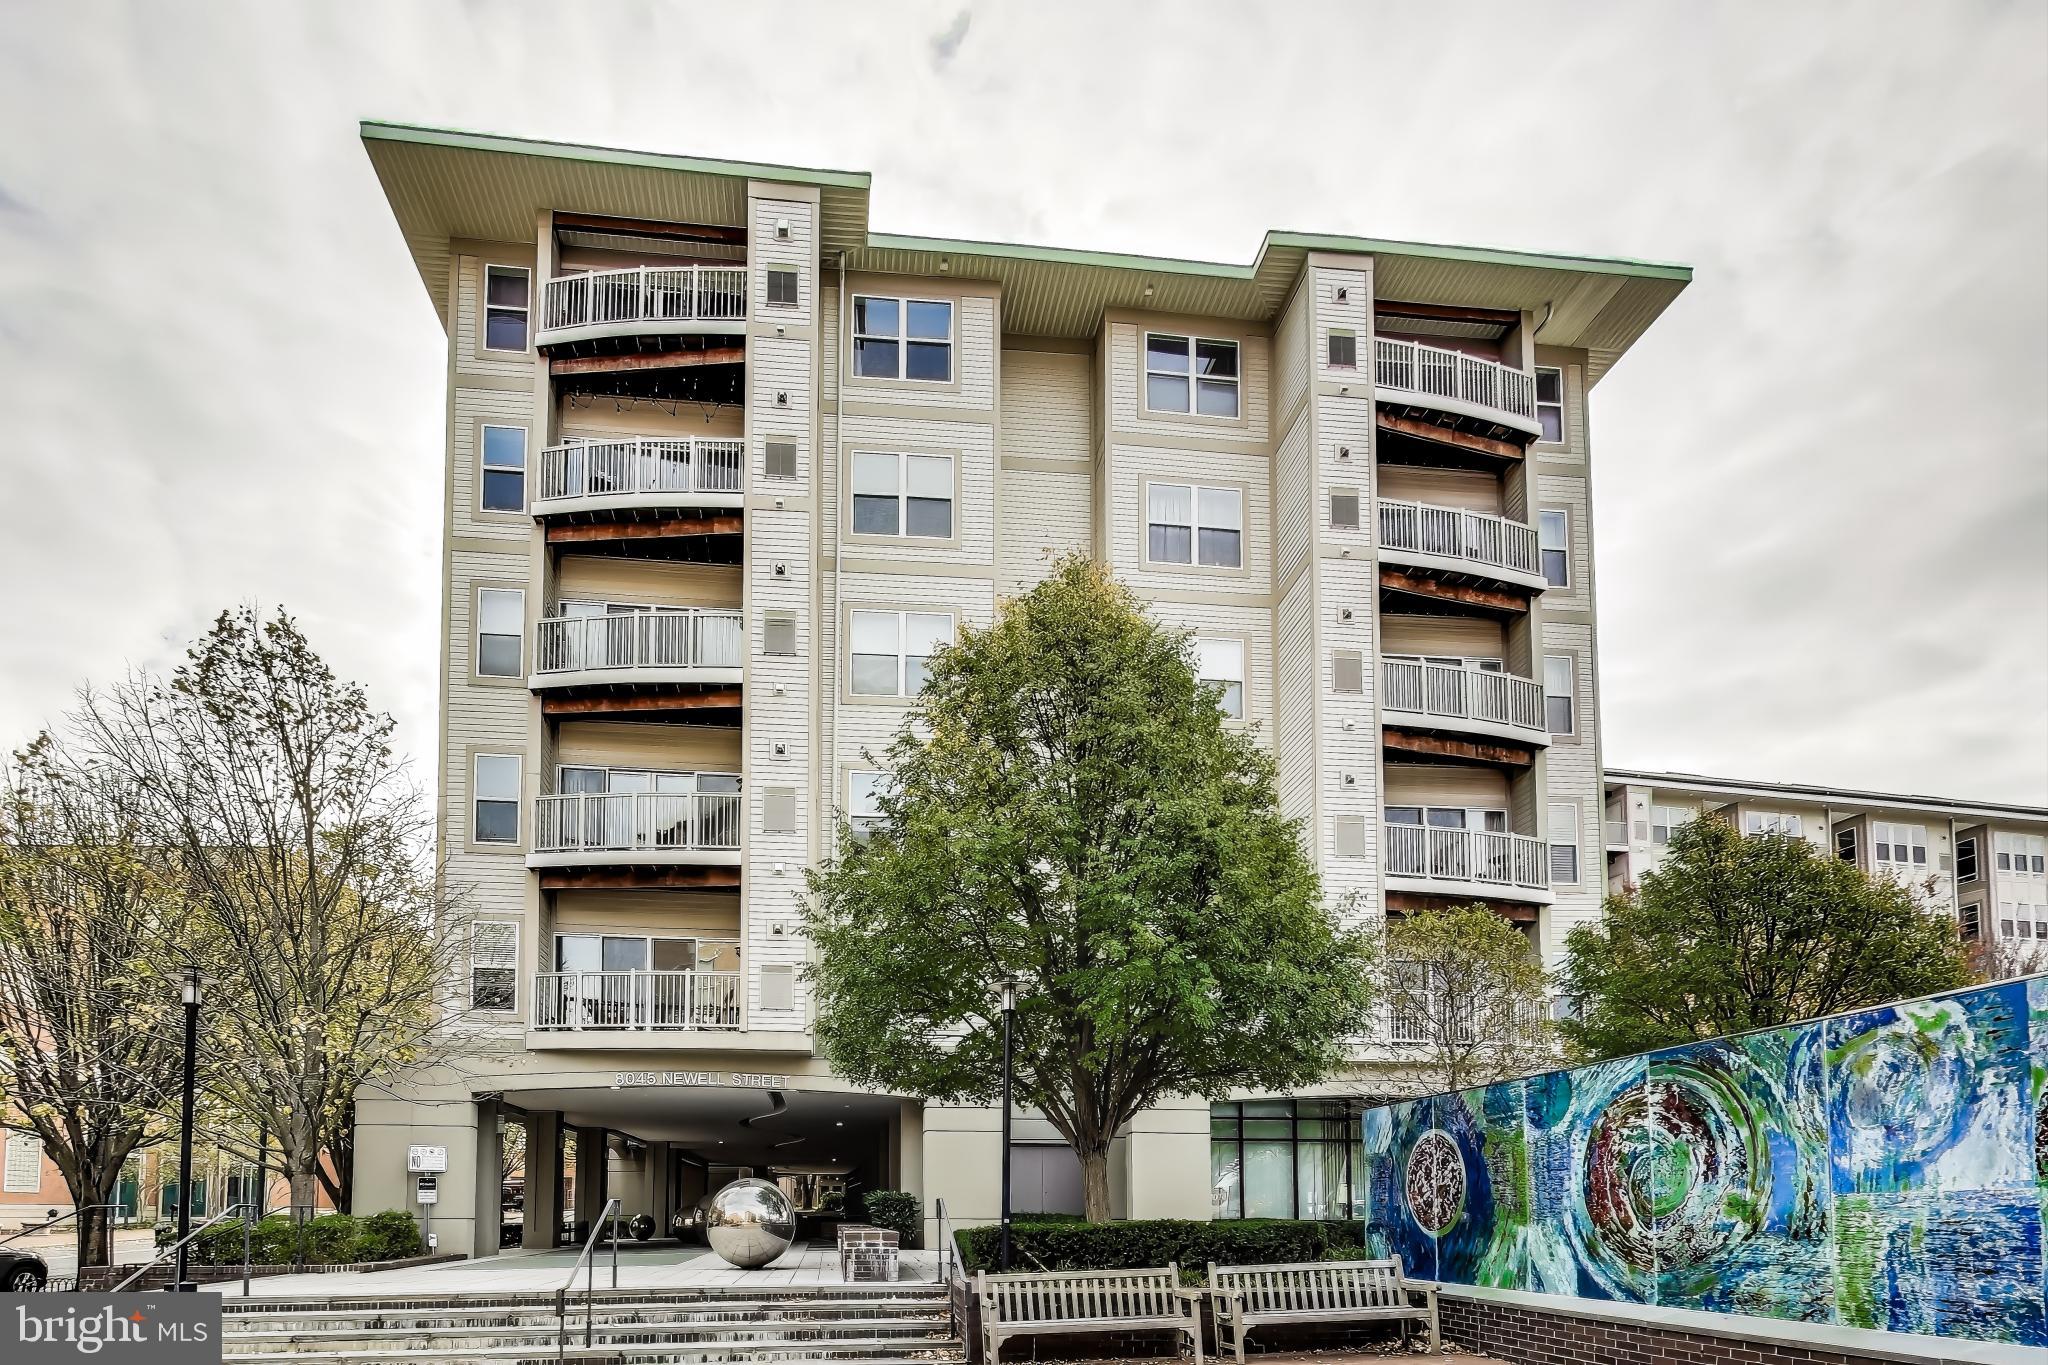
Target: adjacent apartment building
x,y
724,467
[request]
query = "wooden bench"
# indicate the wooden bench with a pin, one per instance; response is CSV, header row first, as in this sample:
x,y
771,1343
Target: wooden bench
x,y
1248,1296
1085,1301
867,1253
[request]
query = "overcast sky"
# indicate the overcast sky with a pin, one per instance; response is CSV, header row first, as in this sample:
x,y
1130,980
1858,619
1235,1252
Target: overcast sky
x,y
1821,479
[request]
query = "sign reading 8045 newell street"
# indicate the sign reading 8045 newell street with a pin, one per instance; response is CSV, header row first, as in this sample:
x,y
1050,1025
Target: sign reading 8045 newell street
x,y
162,1329
745,1080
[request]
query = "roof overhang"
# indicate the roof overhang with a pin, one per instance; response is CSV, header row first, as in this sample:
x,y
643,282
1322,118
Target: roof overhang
x,y
1732,789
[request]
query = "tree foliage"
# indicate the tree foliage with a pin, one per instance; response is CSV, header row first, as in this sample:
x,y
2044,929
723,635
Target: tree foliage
x,y
1467,989
1068,809
1733,932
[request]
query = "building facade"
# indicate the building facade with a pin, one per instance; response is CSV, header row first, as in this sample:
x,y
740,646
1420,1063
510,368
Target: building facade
x,y
724,466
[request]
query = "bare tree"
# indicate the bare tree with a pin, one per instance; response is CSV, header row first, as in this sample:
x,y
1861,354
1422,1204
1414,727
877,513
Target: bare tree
x,y
89,1051
1995,958
1467,994
307,851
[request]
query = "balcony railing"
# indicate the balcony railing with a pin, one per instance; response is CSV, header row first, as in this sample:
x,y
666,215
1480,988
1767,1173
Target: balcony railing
x,y
1454,533
637,822
1440,690
648,467
646,293
1432,372
699,637
636,1000
1467,855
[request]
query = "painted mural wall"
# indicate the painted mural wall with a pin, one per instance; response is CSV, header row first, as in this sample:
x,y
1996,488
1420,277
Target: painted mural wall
x,y
1884,1169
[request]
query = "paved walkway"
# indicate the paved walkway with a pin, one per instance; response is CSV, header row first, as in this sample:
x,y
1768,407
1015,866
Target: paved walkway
x,y
640,1267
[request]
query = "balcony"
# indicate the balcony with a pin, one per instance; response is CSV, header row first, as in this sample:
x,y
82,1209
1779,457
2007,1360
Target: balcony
x,y
642,474
1483,394
1463,700
1458,546
638,1001
644,829
1467,864
643,301
697,645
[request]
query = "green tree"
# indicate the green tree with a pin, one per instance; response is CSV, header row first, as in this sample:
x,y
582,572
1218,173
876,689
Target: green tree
x,y
1733,932
1467,991
1069,810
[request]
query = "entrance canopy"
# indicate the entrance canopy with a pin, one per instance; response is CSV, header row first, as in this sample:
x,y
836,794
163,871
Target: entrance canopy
x,y
729,1126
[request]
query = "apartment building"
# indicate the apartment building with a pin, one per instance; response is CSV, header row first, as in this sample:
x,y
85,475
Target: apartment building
x,y
1983,861
724,467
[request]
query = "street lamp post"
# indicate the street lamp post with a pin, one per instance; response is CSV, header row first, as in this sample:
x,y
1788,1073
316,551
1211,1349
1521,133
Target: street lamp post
x,y
192,993
1009,1029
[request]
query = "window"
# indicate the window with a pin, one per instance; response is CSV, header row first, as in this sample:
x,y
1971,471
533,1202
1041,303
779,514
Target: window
x,y
902,338
890,649
778,460
1772,822
1564,842
1344,509
1845,844
1343,350
1194,524
864,801
500,626
1550,402
505,303
2021,854
504,466
902,495
782,286
1969,922
495,797
1190,374
1966,860
494,965
1220,663
1553,539
1902,846
1665,819
1286,1159
1560,693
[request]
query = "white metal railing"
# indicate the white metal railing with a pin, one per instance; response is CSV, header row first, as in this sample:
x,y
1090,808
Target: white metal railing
x,y
636,1000
1617,832
1458,534
696,637
647,464
636,822
1467,855
1462,693
646,293
1434,372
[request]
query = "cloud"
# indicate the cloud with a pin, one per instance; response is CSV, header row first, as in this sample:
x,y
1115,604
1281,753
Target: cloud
x,y
946,43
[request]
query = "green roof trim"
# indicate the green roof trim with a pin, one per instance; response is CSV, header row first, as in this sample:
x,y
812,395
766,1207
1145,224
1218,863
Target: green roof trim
x,y
1536,260
377,130
1054,255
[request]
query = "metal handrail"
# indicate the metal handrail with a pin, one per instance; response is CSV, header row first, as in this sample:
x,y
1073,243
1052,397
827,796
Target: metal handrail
x,y
232,1211
50,1223
946,1264
611,1211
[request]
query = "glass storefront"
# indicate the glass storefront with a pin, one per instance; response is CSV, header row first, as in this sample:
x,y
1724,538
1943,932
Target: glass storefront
x,y
1285,1159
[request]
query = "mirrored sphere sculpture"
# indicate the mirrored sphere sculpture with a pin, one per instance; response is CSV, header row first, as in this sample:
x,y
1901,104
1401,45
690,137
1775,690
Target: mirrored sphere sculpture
x,y
750,1223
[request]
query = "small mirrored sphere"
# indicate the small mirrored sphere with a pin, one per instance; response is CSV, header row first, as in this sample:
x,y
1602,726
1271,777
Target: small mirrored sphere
x,y
750,1223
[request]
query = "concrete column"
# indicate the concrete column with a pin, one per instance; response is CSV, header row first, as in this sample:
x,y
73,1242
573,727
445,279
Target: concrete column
x,y
592,1159
906,1138
543,1178
385,1128
490,1179
660,1188
1166,1166
962,1165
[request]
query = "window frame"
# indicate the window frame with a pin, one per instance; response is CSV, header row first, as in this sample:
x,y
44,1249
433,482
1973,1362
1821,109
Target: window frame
x,y
1774,822
1570,697
902,656
776,271
902,339
1686,815
1236,642
1967,851
525,311
861,822
1195,525
1330,339
1536,391
478,634
484,467
477,799
1193,377
1554,845
511,928
1563,550
903,533
1915,843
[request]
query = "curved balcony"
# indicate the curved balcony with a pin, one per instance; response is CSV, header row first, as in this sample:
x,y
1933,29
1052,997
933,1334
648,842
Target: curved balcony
x,y
687,300
1453,543
637,1001
1467,863
638,474
1412,374
1463,701
607,829
701,645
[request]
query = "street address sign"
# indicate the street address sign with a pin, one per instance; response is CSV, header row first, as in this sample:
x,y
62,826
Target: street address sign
x,y
426,1159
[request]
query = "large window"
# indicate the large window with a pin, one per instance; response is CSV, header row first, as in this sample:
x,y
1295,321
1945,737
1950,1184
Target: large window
x,y
1902,847
507,292
1285,1159
1564,842
495,799
902,495
1966,860
1550,402
1560,693
1220,663
1194,524
890,649
1190,374
1772,822
1665,819
503,488
494,965
902,338
2022,855
500,626
1553,539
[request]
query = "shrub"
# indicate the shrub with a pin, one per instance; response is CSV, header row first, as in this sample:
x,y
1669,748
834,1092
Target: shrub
x,y
390,1236
896,1210
1047,1244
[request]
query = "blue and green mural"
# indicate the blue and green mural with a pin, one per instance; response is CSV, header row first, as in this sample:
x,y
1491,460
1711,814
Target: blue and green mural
x,y
1884,1169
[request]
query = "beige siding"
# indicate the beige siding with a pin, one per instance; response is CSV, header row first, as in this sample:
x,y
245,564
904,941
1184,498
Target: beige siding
x,y
1428,784
1126,342
1044,516
649,582
1132,467
1045,405
1470,637
674,748
1472,491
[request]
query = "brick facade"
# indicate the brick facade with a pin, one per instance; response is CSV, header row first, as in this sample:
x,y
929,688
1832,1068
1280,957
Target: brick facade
x,y
1529,1336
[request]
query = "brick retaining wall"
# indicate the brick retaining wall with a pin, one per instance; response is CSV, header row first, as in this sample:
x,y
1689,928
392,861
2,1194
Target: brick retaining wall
x,y
1527,1336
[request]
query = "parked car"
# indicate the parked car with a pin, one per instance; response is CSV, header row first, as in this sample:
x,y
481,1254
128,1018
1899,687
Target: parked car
x,y
22,1271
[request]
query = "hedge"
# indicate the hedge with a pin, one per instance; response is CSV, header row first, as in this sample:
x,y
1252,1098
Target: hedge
x,y
1065,1244
330,1239
897,1211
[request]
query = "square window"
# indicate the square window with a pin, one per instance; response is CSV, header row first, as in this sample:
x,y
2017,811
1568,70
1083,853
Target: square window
x,y
782,286
778,633
902,495
889,650
1343,509
902,338
1191,374
1343,350
778,460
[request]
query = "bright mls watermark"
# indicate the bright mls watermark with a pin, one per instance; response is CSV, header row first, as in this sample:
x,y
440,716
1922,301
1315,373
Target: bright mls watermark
x,y
163,1329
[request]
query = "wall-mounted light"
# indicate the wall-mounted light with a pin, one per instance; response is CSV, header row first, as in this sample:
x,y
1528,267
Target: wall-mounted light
x,y
1343,452
781,750
1344,613
1343,293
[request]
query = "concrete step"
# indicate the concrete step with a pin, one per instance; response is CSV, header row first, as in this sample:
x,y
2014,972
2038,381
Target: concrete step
x,y
713,1317
938,1353
737,1299
691,1339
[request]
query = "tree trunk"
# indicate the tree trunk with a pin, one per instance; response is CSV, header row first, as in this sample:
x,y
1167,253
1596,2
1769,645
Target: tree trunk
x,y
1095,1185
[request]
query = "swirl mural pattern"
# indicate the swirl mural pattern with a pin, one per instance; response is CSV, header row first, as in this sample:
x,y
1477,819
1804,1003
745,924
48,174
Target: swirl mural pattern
x,y
1883,1169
